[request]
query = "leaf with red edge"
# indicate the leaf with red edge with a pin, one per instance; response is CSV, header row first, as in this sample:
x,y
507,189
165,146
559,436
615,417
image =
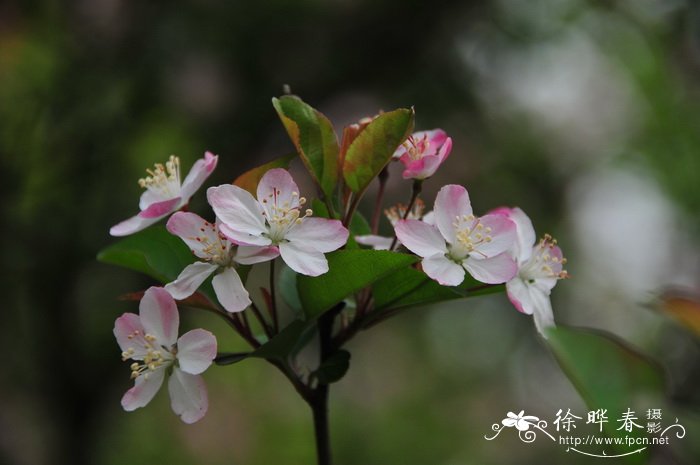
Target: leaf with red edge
x,y
251,178
314,138
372,149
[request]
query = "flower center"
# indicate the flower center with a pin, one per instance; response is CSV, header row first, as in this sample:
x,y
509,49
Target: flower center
x,y
396,213
470,235
215,246
154,355
416,147
163,180
546,262
282,216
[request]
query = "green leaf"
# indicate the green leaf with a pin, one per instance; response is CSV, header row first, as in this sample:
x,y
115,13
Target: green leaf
x,y
333,368
409,287
372,149
250,179
314,138
153,251
349,271
607,373
285,343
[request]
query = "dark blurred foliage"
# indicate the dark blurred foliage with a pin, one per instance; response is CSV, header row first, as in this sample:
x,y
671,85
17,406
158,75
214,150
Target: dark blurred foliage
x,y
94,91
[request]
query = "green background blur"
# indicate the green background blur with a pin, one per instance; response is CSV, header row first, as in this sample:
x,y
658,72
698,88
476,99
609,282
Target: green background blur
x,y
585,114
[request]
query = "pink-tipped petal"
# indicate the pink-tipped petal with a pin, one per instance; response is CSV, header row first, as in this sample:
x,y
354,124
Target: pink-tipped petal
x,y
443,270
303,259
420,238
144,390
199,173
190,279
159,315
196,350
525,232
422,168
195,231
277,187
502,233
451,202
495,270
160,209
237,209
250,255
129,333
132,225
149,197
519,296
445,150
243,238
376,242
319,233
188,396
230,291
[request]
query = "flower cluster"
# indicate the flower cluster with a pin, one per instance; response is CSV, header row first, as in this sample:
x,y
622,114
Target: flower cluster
x,y
246,231
265,217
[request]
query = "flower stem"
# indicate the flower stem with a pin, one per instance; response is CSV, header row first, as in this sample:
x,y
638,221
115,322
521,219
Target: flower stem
x,y
415,192
273,301
319,409
383,177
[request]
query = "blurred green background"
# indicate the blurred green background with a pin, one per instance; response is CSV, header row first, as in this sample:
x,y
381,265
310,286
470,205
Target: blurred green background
x,y
584,113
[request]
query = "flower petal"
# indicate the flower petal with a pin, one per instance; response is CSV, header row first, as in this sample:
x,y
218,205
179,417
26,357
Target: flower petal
x,y
377,242
542,310
503,235
161,209
443,270
277,187
230,290
494,270
519,295
420,238
250,255
319,233
145,388
237,209
188,396
243,238
129,333
445,150
132,225
196,350
420,169
199,173
159,315
303,259
195,231
522,250
452,201
190,279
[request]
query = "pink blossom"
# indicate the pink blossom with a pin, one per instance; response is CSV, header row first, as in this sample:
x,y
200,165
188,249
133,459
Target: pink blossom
x,y
540,266
165,193
423,153
150,339
273,224
460,241
217,254
394,214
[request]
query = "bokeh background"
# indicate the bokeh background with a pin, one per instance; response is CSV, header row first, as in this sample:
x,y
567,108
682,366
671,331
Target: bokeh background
x,y
584,113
